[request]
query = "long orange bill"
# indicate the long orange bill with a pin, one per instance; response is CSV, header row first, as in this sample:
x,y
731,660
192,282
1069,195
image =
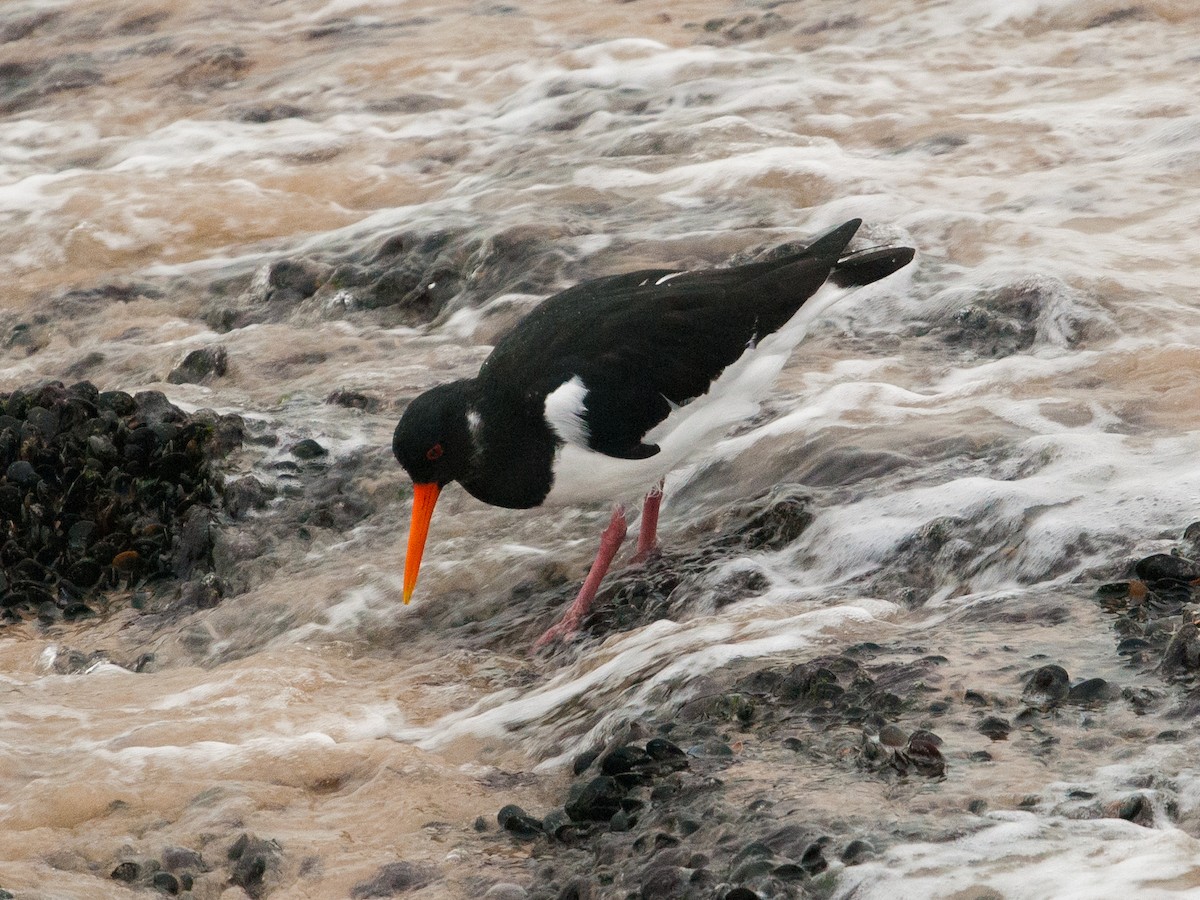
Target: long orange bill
x,y
424,499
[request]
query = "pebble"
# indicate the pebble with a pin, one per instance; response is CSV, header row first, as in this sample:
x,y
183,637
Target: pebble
x,y
166,882
596,800
308,449
995,728
1182,655
1047,686
514,819
1094,690
128,872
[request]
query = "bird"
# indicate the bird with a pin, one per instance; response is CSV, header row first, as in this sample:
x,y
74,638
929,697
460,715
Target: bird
x,y
603,386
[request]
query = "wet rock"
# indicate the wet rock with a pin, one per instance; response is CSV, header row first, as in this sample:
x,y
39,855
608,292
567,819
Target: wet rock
x,y
857,851
663,881
177,858
393,879
1094,690
1137,809
1133,645
813,861
255,861
514,819
308,449
203,593
584,761
596,800
556,823
1182,655
781,521
1047,686
128,871
200,365
166,882
354,400
1166,567
630,765
194,542
245,494
995,727
922,755
663,751
719,708
292,280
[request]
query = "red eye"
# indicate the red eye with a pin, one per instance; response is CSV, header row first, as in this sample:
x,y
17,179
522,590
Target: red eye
x,y
434,452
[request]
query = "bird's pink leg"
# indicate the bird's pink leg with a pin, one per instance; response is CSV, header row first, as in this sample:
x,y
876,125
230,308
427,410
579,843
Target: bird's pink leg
x,y
648,527
610,543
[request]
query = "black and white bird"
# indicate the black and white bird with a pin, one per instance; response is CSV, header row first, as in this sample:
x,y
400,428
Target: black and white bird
x,y
615,382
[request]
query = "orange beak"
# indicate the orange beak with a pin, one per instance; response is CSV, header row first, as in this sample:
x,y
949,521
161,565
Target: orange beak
x,y
424,499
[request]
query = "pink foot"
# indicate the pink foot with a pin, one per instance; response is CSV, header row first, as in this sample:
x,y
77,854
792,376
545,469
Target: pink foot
x,y
648,527
610,543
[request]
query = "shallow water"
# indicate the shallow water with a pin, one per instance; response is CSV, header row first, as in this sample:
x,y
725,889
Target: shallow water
x,y
1042,157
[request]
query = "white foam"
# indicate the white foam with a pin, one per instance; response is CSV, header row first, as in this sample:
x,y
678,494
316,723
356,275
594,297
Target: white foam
x,y
1029,856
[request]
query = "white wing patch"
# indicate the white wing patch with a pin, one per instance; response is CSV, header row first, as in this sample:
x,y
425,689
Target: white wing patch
x,y
565,410
667,278
473,425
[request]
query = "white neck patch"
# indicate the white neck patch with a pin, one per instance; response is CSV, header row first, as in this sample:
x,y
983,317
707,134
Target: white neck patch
x,y
473,424
564,412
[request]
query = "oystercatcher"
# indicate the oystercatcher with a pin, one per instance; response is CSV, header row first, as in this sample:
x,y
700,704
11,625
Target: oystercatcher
x,y
605,372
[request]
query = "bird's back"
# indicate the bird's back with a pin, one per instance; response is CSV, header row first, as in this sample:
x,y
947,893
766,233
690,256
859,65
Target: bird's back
x,y
645,342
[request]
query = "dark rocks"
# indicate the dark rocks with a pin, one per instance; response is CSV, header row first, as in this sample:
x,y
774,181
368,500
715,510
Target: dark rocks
x,y
857,851
595,801
783,519
128,872
1160,567
292,280
354,400
1182,655
254,863
166,882
1138,809
514,819
177,858
308,449
200,366
393,879
245,494
922,755
1047,686
995,728
1093,690
101,489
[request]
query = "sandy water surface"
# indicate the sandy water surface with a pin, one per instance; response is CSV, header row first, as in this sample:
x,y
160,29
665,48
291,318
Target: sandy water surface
x,y
1028,386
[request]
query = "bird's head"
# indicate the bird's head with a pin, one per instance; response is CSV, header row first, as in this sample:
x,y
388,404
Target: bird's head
x,y
433,443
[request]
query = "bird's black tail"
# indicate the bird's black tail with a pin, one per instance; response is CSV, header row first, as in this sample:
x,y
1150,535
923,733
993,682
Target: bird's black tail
x,y
867,266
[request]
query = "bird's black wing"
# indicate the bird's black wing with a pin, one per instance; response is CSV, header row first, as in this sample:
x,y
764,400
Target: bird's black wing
x,y
643,342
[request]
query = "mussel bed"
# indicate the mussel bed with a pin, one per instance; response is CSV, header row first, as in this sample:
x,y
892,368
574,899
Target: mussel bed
x,y
102,490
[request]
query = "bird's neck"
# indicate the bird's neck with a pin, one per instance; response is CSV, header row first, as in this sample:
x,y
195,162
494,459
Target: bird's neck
x,y
513,462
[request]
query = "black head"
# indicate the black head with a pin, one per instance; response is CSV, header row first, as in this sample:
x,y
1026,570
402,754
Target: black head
x,y
433,438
